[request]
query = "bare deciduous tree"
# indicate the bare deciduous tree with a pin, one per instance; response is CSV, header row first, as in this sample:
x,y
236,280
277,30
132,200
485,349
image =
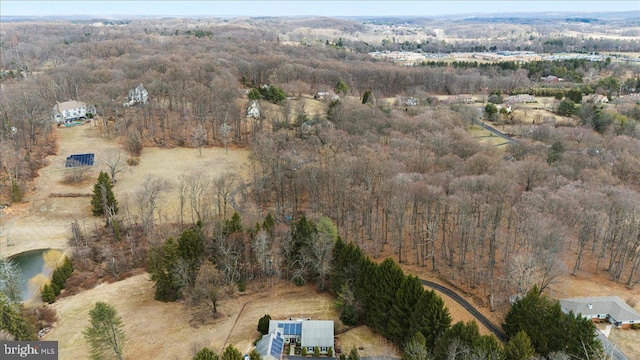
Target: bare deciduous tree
x,y
113,161
199,138
148,198
224,184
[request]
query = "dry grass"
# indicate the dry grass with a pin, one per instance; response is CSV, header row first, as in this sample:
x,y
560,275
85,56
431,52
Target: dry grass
x,y
484,136
51,204
164,330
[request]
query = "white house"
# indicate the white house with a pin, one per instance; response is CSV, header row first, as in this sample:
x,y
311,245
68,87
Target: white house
x,y
305,333
595,99
253,111
139,95
68,111
326,95
521,98
406,101
609,308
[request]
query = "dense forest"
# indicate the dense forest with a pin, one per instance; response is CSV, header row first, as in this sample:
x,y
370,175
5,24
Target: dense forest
x,y
410,183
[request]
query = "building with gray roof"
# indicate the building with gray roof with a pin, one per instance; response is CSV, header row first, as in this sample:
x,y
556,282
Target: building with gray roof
x,y
610,308
305,333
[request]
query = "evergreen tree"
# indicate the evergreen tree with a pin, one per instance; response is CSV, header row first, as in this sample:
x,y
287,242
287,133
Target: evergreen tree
x,y
263,324
302,233
579,332
430,317
161,265
549,329
488,347
231,353
254,94
205,354
387,282
255,355
232,225
349,315
574,95
16,192
103,198
59,278
366,97
13,322
566,108
519,347
104,333
416,348
403,308
10,279
466,334
365,288
345,264
269,225
47,294
353,354
341,87
191,250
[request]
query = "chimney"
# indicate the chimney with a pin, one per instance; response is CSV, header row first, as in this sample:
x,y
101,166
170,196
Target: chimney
x,y
590,306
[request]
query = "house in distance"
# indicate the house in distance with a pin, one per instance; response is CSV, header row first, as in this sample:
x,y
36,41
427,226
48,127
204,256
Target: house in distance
x,y
305,333
69,111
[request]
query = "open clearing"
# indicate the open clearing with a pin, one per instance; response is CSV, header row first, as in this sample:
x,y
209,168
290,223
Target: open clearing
x,y
157,330
44,221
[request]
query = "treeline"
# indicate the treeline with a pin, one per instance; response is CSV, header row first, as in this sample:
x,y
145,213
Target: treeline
x,y
421,188
384,298
397,307
49,292
571,70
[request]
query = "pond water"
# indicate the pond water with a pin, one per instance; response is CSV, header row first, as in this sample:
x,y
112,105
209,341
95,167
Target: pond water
x,y
31,264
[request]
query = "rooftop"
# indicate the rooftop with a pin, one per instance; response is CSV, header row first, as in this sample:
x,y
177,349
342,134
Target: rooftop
x,y
613,306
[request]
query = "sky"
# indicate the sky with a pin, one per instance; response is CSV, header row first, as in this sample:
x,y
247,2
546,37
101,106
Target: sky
x,y
301,8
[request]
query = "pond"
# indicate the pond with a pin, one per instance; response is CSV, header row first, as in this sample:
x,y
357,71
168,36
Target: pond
x,y
31,264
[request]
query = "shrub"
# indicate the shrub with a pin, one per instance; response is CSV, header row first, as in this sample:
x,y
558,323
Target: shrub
x,y
133,161
263,324
304,351
330,352
16,192
316,351
47,315
242,285
205,354
47,294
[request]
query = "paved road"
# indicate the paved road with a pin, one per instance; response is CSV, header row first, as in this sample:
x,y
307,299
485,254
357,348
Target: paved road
x,y
610,349
460,300
495,131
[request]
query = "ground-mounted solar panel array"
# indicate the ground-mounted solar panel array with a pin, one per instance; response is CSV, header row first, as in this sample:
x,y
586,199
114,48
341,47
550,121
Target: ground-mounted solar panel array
x,y
276,346
80,160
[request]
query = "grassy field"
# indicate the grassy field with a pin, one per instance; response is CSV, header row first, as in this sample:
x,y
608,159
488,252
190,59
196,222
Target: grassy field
x,y
486,137
157,330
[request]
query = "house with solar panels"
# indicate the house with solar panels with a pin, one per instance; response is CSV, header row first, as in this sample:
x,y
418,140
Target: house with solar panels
x,y
303,333
68,111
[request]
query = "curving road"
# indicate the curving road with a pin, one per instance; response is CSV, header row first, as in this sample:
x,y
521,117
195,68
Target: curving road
x,y
497,331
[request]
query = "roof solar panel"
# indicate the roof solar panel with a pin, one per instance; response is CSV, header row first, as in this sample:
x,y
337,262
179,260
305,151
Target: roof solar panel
x,y
80,160
276,346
